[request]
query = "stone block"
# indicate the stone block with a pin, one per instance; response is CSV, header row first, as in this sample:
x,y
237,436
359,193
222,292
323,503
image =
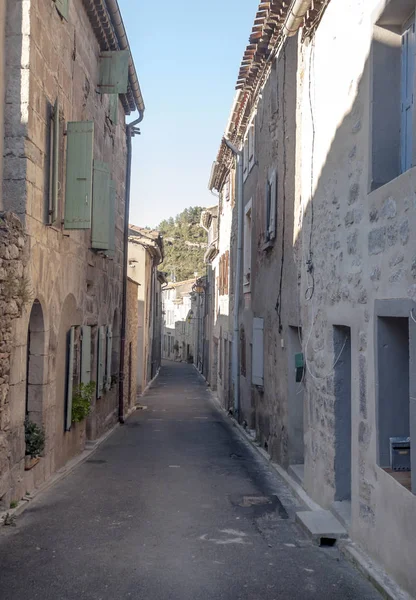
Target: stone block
x,y
321,525
377,240
18,365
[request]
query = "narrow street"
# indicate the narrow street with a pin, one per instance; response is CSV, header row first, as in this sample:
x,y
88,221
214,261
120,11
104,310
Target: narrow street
x,y
173,505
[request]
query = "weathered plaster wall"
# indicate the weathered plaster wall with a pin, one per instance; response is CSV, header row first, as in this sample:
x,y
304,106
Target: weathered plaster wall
x,y
361,252
130,360
49,58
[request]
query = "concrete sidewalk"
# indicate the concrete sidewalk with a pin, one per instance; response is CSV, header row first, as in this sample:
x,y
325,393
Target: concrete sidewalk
x,y
173,505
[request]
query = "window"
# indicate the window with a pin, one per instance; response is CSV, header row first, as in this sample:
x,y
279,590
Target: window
x,y
247,247
395,353
271,202
243,367
392,93
407,87
245,159
251,147
56,153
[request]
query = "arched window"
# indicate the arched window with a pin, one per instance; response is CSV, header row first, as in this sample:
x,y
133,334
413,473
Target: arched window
x,y
35,361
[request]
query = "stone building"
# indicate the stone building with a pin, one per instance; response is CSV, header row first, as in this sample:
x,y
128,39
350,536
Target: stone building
x,y
70,82
178,321
145,254
218,326
324,130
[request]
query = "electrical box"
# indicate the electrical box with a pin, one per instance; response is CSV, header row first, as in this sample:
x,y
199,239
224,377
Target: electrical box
x,y
400,453
299,366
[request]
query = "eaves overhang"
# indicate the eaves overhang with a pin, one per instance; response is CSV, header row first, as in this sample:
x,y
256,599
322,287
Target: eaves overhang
x,y
270,30
107,23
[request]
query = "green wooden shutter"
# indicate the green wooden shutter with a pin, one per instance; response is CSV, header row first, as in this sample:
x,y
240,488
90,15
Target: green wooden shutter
x,y
55,163
78,194
113,108
112,219
100,361
69,378
86,355
114,71
62,8
100,235
108,357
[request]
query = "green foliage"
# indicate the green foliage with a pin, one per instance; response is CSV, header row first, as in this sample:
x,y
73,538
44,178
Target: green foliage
x,y
81,401
185,244
34,438
13,504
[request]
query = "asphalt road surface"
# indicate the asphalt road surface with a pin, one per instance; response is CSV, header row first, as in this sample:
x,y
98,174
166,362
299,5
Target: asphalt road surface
x,y
173,505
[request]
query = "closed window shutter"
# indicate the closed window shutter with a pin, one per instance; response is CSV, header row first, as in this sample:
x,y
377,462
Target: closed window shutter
x,y
112,219
114,71
100,361
258,352
109,357
100,235
55,163
78,189
86,355
273,203
69,378
62,8
407,90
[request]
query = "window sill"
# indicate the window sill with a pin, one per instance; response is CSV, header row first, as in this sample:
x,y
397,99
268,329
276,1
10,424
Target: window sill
x,y
377,188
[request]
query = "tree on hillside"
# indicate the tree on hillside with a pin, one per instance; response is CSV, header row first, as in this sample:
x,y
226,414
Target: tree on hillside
x,y
185,244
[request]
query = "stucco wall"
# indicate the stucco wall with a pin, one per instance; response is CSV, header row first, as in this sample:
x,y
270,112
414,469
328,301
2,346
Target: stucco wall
x,y
74,285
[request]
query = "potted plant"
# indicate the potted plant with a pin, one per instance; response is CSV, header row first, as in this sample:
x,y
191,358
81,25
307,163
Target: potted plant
x,y
81,401
35,443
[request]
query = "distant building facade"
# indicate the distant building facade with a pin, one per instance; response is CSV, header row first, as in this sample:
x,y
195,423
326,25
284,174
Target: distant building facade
x,y
145,255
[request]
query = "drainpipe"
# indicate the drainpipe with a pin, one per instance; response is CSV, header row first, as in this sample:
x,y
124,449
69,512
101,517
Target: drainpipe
x,y
130,132
295,18
237,285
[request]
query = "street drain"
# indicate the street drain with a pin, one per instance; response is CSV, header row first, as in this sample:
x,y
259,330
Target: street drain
x,y
96,461
255,501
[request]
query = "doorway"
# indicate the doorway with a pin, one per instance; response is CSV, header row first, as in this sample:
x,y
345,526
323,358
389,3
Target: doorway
x,y
342,390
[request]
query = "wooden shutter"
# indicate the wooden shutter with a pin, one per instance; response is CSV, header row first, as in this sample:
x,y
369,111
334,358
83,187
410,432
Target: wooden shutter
x,y
78,190
273,206
258,352
109,357
114,71
69,378
86,355
55,163
100,235
112,219
100,361
407,89
62,8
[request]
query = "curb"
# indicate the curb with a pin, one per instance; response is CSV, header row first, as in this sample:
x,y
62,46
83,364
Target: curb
x,y
374,573
67,469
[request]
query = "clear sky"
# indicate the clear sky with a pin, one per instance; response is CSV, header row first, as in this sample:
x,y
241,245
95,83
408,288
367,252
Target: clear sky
x,y
187,55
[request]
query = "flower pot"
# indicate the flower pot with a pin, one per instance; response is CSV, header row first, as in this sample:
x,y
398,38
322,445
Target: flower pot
x,y
30,462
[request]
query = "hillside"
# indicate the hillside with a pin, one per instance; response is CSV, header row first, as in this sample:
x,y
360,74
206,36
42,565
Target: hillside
x,y
185,244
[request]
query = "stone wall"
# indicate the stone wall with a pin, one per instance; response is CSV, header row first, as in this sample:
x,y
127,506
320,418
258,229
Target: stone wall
x,y
361,253
49,58
15,292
